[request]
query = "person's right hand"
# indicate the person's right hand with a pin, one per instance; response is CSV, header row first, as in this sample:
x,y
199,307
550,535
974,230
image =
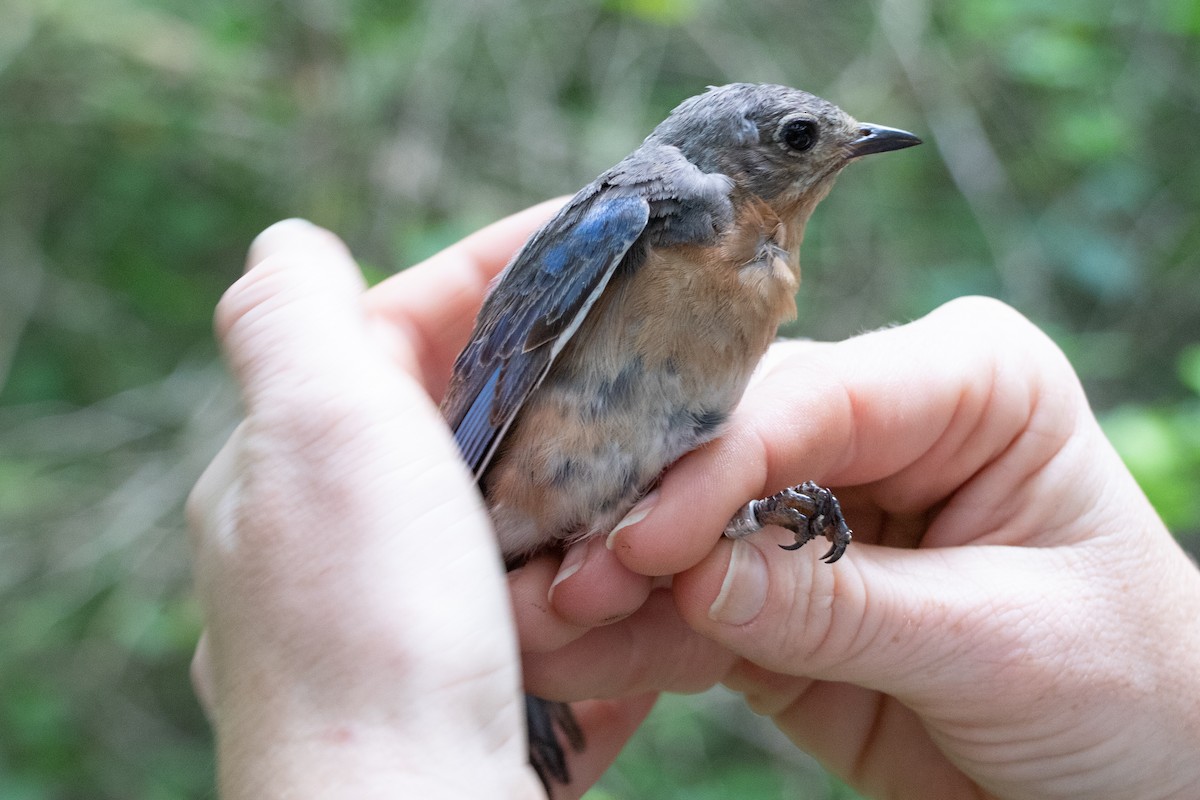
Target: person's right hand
x,y
1012,620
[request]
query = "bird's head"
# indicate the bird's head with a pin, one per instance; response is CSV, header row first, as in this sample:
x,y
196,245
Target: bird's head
x,y
780,144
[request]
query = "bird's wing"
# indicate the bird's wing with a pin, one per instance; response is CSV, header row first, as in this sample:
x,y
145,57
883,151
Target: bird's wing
x,y
541,299
655,197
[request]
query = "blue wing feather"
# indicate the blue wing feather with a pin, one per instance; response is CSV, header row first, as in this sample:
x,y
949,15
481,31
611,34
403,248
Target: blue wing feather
x,y
538,303
475,433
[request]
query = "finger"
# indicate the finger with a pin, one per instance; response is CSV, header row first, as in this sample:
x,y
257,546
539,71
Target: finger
x,y
593,588
432,305
652,650
926,626
910,412
294,317
540,629
873,741
556,602
210,516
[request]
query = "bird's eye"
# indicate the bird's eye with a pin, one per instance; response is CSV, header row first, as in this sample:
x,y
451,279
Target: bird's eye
x,y
798,134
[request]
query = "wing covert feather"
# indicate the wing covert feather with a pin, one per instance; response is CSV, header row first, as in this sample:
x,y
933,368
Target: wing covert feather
x,y
539,301
655,197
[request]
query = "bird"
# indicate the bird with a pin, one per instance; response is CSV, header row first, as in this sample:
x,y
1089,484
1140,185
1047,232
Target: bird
x,y
623,333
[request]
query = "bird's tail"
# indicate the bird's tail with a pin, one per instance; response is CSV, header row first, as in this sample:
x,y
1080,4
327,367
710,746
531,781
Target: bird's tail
x,y
546,719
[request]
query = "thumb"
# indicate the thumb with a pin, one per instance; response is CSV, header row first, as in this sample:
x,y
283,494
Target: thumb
x,y
295,314
928,627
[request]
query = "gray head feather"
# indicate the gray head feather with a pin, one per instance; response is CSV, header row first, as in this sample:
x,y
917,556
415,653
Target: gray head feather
x,y
737,130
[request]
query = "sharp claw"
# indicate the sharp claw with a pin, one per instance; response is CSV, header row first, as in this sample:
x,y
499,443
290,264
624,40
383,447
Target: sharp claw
x,y
807,510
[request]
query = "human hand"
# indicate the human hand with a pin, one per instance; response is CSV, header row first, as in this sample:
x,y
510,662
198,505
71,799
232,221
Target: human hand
x,y
359,640
1012,619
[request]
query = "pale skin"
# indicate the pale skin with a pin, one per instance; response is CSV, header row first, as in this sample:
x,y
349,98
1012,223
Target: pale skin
x,y
1012,619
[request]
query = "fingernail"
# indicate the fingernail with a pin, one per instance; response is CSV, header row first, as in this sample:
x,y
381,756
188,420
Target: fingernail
x,y
635,515
744,590
572,561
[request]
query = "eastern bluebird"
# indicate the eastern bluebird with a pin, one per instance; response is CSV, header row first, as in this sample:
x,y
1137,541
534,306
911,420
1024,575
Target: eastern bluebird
x,y
623,333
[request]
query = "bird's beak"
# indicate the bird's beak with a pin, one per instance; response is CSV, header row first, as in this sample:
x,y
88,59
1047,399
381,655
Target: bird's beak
x,y
878,139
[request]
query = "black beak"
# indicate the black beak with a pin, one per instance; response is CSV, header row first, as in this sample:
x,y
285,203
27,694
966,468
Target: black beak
x,y
878,139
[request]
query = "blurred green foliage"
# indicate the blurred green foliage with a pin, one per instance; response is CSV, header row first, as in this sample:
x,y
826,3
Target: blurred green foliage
x,y
144,143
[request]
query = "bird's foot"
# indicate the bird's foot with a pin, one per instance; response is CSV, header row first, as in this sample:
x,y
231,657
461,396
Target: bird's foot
x,y
807,510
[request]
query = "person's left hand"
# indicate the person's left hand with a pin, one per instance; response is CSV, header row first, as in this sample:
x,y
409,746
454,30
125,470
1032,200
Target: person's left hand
x,y
359,637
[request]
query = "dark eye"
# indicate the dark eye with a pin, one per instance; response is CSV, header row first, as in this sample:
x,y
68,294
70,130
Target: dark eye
x,y
799,134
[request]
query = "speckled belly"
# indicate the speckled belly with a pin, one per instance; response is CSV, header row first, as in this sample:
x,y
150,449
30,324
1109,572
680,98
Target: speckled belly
x,y
654,372
586,448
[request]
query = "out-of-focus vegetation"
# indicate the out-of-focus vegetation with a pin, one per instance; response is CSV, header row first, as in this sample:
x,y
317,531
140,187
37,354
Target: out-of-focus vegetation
x,y
143,144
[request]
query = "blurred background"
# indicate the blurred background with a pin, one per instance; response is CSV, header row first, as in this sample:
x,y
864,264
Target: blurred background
x,y
144,144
